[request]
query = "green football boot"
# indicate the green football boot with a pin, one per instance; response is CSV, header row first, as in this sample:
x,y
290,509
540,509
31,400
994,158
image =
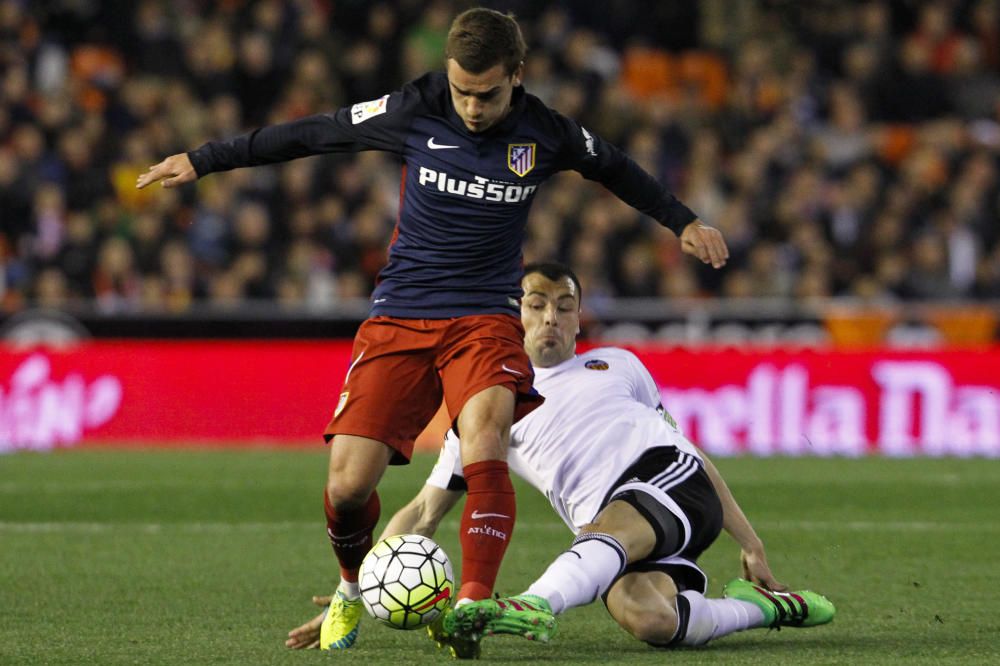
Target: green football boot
x,y
444,632
525,615
783,609
340,626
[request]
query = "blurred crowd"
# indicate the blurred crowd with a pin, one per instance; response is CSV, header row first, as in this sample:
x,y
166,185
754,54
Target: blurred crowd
x,y
845,149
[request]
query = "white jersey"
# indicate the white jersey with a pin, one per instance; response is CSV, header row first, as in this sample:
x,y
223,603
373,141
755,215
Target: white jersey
x,y
601,412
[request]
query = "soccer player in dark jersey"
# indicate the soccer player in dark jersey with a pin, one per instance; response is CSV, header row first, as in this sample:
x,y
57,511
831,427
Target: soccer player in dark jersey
x,y
444,316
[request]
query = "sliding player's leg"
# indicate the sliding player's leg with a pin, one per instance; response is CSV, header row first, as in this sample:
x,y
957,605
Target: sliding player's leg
x,y
797,608
648,605
639,521
597,556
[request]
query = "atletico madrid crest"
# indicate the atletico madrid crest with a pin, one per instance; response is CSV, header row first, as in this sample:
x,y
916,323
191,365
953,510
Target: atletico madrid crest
x,y
521,158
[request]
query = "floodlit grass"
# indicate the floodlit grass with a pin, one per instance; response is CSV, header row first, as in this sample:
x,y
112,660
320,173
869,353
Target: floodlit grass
x,y
209,557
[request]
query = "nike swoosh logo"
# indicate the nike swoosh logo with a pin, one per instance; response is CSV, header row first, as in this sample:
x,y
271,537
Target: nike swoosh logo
x,y
476,515
511,370
356,361
437,146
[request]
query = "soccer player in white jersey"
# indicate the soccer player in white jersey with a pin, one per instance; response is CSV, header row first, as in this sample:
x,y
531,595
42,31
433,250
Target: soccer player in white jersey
x,y
642,499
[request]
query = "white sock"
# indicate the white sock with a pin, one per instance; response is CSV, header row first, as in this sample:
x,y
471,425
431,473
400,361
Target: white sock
x,y
581,574
708,619
349,589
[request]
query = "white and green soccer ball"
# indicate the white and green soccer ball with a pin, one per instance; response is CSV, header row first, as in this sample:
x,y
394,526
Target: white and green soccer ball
x,y
406,581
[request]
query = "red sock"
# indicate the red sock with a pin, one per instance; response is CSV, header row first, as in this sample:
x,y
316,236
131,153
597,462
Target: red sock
x,y
486,527
350,533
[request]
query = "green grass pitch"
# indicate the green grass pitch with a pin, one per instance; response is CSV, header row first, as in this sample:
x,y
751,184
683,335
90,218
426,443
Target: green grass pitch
x,y
209,557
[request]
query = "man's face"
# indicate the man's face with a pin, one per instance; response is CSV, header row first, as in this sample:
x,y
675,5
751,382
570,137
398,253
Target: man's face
x,y
550,313
481,100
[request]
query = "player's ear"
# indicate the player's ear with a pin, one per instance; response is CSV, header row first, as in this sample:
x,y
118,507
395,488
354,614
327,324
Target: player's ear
x,y
518,75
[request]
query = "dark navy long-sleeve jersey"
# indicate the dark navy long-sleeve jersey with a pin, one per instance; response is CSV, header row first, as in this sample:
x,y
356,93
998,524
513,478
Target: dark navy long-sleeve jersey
x,y
465,196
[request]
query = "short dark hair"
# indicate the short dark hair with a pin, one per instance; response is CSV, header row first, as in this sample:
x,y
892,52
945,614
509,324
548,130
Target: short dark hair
x,y
481,38
554,271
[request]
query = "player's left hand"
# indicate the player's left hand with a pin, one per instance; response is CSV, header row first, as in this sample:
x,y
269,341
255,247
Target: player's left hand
x,y
173,171
306,637
706,243
756,570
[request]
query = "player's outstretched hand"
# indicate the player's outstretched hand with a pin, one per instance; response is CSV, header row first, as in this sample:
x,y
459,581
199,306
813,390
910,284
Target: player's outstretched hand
x,y
173,171
306,637
705,242
756,570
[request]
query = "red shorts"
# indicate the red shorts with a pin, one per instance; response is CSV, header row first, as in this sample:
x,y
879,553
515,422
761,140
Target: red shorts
x,y
402,368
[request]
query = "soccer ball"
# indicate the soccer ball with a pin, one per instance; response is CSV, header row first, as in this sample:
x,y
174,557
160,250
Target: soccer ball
x,y
406,581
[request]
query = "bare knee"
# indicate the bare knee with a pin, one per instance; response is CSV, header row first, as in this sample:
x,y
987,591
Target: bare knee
x,y
484,443
656,626
347,493
355,467
642,603
348,488
484,425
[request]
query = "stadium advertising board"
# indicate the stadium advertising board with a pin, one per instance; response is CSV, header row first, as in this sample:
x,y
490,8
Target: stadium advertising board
x,y
834,403
760,402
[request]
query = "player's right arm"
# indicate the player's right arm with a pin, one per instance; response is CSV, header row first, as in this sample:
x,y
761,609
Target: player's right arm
x,y
379,124
443,489
424,512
